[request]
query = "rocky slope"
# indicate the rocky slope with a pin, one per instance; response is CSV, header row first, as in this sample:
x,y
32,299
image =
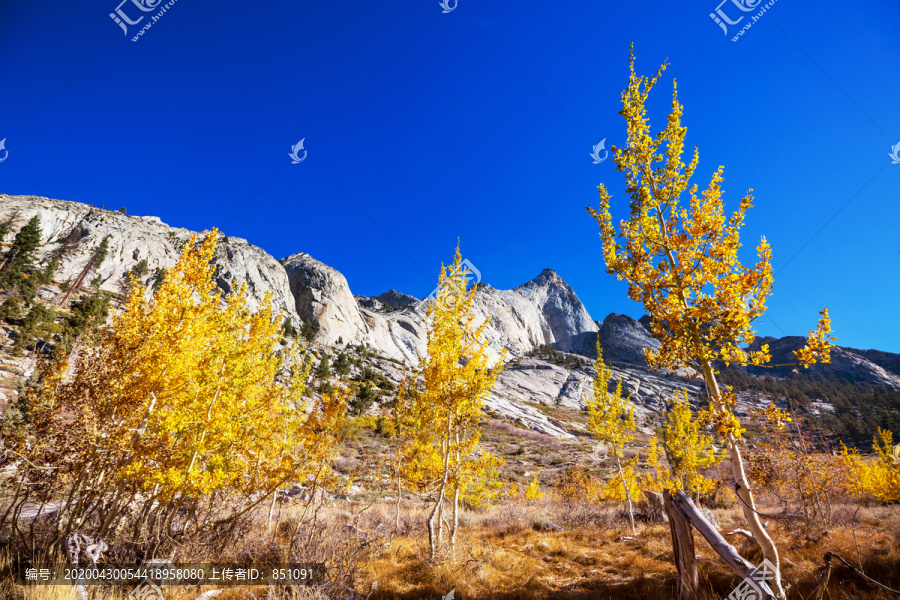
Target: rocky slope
x,y
542,312
869,366
133,239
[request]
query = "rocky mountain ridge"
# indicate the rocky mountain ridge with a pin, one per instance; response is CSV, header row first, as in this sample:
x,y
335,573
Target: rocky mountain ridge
x,y
542,312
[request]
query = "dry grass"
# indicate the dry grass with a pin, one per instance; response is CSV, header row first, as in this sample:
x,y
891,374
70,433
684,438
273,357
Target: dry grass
x,y
507,553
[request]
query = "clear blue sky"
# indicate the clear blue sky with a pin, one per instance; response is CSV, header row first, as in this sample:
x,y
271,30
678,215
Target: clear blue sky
x,y
422,127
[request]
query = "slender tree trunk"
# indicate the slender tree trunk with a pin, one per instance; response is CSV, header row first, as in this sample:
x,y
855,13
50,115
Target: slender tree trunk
x,y
78,280
627,493
433,537
455,525
399,496
272,507
742,488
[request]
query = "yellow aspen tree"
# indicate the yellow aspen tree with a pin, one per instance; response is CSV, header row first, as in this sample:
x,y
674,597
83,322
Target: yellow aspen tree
x,y
688,449
682,264
439,419
533,491
181,412
611,420
879,478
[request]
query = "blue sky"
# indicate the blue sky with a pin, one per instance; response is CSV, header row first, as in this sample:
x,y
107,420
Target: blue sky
x,y
422,127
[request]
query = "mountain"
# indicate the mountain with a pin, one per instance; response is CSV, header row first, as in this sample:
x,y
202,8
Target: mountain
x,y
543,312
133,239
867,366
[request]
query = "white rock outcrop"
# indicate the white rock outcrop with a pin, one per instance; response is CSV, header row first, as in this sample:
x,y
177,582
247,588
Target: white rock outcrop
x,y
133,239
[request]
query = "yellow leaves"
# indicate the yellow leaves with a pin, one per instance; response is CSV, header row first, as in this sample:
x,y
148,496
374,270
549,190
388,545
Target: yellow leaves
x,y
533,491
726,424
878,479
611,417
818,344
777,416
439,421
682,262
578,485
680,256
688,449
183,392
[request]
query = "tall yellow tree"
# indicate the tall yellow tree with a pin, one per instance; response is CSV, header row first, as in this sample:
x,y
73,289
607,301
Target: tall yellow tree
x,y
179,418
688,449
611,420
682,264
439,408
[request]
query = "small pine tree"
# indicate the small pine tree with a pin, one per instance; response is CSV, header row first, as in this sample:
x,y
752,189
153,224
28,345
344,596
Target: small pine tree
x,y
159,277
310,330
323,371
342,364
9,310
28,331
289,329
363,400
21,254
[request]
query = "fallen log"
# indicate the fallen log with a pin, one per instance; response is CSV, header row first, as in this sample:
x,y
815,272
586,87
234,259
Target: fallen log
x,y
682,504
682,551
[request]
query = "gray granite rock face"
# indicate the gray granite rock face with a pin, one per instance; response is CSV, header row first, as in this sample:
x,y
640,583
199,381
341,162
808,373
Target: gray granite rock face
x,y
868,366
543,311
133,239
396,299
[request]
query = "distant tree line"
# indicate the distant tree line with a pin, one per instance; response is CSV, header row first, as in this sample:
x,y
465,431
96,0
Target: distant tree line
x,y
860,409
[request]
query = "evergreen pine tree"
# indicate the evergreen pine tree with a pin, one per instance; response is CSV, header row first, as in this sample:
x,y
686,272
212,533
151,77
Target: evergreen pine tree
x,y
323,371
342,364
363,400
21,254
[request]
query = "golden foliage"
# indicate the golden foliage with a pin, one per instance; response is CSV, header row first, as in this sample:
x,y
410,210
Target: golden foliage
x,y
610,416
681,262
533,491
688,449
880,478
799,476
182,400
575,484
439,432
611,420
